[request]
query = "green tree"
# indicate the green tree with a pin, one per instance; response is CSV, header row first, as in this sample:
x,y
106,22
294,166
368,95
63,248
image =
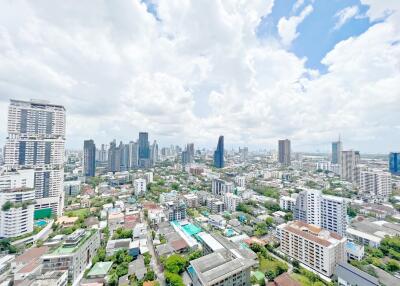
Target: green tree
x,y
392,265
195,254
175,263
173,279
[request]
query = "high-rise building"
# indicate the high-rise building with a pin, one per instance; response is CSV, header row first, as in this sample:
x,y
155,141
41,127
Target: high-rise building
x,y
219,153
336,152
144,150
394,163
220,187
188,154
284,152
375,185
348,165
17,197
313,246
334,214
329,212
113,157
102,154
89,158
133,155
154,153
36,139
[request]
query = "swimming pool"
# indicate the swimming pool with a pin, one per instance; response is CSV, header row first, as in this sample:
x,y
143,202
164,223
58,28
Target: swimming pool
x,y
191,229
40,223
229,232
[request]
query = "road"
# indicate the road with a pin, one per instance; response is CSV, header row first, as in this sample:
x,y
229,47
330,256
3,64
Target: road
x,y
154,263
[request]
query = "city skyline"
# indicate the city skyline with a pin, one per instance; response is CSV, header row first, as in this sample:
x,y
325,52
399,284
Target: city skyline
x,y
259,72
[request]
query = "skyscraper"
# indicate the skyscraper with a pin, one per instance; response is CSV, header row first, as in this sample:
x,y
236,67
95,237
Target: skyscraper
x,y
394,163
113,157
219,153
154,153
144,150
284,152
36,139
336,151
133,154
89,158
188,154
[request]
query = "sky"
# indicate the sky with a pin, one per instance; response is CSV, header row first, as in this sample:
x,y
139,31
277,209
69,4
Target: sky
x,y
191,70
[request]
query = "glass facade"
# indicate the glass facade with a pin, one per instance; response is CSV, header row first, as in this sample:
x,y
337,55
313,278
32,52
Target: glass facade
x,y
394,163
219,153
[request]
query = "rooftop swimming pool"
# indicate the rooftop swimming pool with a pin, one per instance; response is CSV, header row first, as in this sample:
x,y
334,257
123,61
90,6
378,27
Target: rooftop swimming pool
x,y
189,228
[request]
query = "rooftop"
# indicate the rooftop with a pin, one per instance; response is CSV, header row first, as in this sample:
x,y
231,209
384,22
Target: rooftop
x,y
68,249
100,269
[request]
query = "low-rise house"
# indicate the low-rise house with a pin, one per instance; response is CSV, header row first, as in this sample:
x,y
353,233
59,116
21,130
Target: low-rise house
x,y
284,280
113,245
217,221
137,267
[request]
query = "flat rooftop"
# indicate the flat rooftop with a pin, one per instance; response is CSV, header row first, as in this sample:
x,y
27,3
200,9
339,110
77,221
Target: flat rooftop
x,y
100,269
63,249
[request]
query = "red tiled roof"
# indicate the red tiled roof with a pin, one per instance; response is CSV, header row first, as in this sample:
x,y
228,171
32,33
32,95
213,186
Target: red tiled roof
x,y
179,244
285,280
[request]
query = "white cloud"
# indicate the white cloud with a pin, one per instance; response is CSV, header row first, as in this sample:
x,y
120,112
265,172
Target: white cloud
x,y
287,27
344,15
118,70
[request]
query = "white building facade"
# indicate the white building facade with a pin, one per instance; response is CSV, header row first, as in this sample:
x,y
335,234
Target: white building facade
x,y
36,139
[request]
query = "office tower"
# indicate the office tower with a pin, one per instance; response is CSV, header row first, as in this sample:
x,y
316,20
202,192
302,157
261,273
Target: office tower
x,y
348,165
124,156
114,157
153,153
140,186
284,152
329,212
336,152
219,153
17,202
394,163
375,185
36,139
188,154
311,245
133,155
89,158
225,263
144,150
102,153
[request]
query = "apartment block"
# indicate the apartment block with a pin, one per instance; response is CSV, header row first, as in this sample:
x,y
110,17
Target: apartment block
x,y
313,246
375,185
225,263
74,254
220,187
